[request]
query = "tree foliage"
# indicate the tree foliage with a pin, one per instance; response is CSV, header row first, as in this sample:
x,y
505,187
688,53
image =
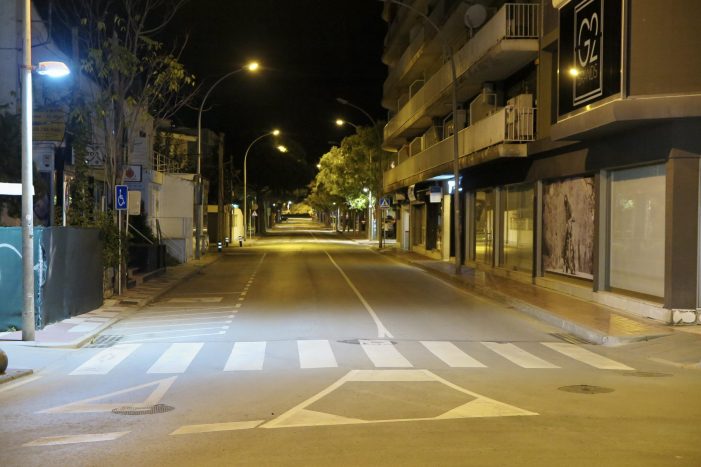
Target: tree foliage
x,y
132,72
347,171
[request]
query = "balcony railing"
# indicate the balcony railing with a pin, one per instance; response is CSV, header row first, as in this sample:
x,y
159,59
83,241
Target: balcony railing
x,y
508,125
499,58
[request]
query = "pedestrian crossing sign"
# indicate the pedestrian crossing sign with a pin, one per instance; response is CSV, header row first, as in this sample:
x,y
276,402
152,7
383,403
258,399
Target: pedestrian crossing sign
x,y
384,203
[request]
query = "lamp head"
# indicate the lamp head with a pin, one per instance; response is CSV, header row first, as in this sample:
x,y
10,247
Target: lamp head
x,y
340,122
282,148
341,100
574,72
276,132
252,66
53,69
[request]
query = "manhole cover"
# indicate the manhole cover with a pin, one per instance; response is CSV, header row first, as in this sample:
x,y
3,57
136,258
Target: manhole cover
x,y
105,341
645,374
148,410
585,389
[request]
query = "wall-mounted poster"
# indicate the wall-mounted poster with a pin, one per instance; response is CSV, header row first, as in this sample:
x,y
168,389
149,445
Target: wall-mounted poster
x,y
568,227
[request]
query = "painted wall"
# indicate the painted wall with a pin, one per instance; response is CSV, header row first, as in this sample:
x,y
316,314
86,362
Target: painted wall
x,y
67,281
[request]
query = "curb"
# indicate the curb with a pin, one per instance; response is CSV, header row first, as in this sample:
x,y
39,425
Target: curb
x,y
11,375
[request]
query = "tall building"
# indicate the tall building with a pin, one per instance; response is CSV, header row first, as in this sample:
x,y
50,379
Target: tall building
x,y
579,139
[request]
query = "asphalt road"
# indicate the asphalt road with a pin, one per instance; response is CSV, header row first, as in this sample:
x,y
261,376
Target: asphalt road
x,y
307,349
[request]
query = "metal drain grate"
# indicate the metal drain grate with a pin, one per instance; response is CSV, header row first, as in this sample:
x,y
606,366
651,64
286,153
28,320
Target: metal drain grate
x,y
585,389
572,339
148,410
103,342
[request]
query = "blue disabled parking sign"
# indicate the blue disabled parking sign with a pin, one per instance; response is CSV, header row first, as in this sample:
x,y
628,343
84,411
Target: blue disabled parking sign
x,y
121,197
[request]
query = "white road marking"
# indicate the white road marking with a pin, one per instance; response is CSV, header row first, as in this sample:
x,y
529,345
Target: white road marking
x,y
186,336
90,406
316,354
172,331
518,356
452,355
585,356
177,358
178,316
381,329
223,319
384,354
74,439
196,300
106,360
246,356
478,406
211,427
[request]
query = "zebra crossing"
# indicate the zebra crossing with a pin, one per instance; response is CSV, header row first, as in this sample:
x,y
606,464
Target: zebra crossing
x,y
178,358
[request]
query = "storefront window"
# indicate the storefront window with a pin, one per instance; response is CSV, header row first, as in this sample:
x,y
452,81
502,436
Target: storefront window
x,y
568,227
484,225
518,228
637,230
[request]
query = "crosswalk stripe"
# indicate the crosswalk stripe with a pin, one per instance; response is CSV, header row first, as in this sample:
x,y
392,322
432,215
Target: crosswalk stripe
x,y
106,360
177,358
384,354
316,354
585,356
452,355
246,356
518,356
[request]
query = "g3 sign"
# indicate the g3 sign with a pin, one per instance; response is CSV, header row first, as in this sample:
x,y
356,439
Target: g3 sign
x,y
590,52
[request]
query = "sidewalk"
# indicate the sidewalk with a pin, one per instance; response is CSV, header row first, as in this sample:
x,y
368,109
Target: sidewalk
x,y
585,320
57,339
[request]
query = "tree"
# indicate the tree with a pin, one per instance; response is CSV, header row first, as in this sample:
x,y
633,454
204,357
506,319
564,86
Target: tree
x,y
347,171
132,74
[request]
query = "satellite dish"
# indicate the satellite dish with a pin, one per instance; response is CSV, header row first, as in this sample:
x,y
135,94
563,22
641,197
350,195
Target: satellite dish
x,y
475,16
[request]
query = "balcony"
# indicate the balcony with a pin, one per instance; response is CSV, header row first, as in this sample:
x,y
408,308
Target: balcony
x,y
501,134
505,44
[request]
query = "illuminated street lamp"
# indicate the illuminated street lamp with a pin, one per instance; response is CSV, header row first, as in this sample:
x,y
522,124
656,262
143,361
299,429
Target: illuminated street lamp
x,y
280,148
251,67
341,122
51,69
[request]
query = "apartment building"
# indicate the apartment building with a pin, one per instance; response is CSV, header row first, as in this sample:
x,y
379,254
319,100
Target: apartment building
x,y
578,129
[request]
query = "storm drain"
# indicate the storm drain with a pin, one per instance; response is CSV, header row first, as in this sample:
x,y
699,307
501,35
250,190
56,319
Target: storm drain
x,y
148,410
572,339
585,389
105,341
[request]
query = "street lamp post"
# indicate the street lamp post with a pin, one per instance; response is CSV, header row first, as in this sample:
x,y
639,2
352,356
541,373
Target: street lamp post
x,y
456,128
52,69
252,67
245,179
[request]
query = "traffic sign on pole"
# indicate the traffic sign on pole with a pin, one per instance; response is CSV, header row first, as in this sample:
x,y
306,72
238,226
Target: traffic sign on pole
x,y
384,203
121,197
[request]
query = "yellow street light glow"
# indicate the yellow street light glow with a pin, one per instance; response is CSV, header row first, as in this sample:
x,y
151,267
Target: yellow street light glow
x,y
282,148
339,122
573,72
253,66
276,132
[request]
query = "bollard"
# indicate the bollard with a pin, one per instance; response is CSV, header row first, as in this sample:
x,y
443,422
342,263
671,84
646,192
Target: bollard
x,y
240,241
3,362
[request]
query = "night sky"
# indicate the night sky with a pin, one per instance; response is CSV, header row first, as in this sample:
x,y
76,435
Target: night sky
x,y
312,51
